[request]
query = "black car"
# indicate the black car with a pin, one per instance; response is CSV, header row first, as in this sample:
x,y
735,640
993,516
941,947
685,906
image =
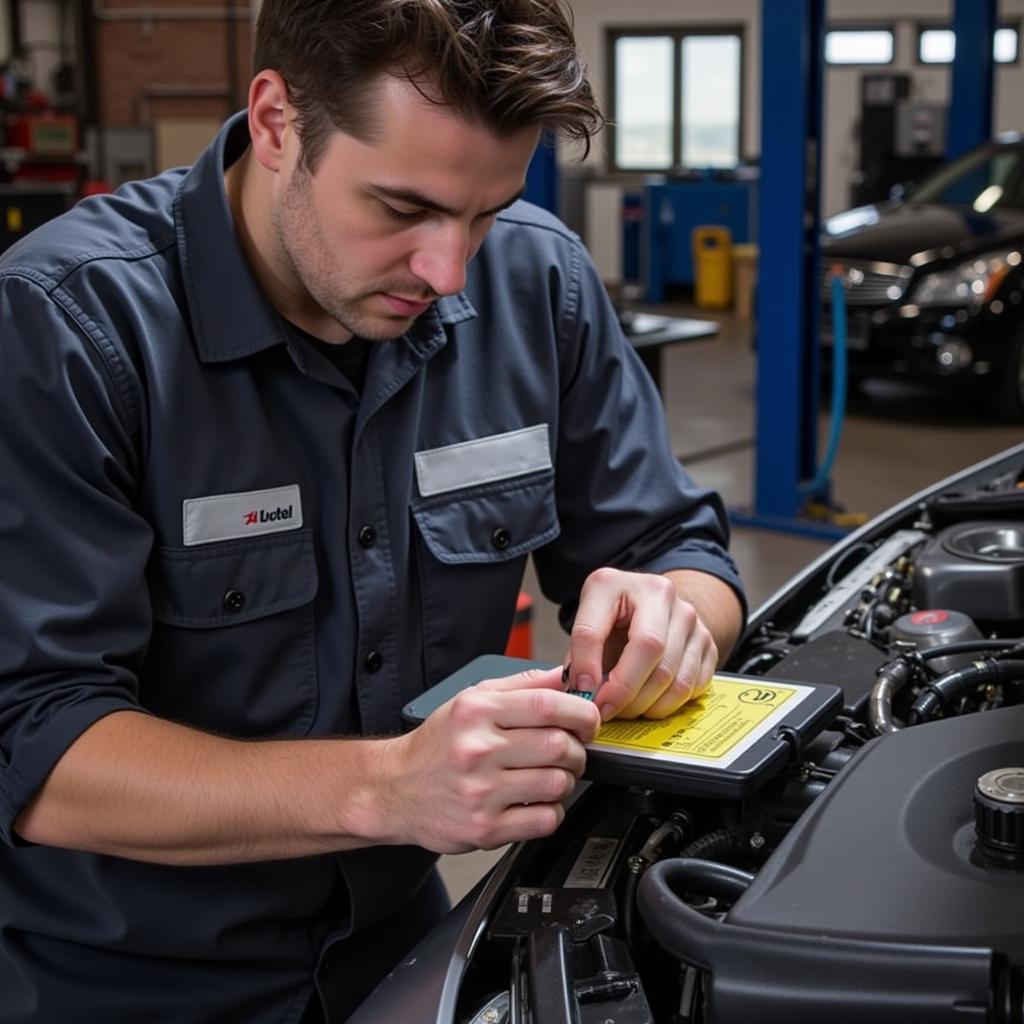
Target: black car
x,y
863,860
933,278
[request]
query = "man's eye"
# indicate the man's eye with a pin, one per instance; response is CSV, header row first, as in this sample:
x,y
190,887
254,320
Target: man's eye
x,y
400,215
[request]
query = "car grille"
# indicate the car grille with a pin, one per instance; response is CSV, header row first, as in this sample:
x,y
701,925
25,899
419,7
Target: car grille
x,y
867,284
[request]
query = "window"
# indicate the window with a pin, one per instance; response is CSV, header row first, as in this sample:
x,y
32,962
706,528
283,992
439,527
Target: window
x,y
937,45
675,98
859,46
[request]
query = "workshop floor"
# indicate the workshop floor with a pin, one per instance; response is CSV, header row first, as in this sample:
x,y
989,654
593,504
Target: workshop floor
x,y
896,440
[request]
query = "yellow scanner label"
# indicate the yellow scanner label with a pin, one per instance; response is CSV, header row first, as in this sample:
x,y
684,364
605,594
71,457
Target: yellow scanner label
x,y
727,719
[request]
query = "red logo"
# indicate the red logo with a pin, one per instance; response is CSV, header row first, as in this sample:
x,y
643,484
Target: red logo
x,y
932,617
251,518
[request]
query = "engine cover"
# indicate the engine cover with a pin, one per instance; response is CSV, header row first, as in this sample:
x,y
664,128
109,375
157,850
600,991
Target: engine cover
x,y
889,850
975,567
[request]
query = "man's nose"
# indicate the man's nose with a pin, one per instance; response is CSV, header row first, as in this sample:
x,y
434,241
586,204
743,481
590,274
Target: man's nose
x,y
440,262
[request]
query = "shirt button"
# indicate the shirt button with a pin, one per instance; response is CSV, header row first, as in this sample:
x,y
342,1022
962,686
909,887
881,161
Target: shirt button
x,y
367,536
501,538
373,662
233,601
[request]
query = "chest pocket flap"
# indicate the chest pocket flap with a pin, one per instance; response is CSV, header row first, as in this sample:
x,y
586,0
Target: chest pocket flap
x,y
231,583
494,523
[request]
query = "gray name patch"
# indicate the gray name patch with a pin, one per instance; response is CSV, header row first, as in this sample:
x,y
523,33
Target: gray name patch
x,y
247,514
483,460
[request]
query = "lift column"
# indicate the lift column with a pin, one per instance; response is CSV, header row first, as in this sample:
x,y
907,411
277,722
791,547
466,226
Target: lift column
x,y
970,108
788,283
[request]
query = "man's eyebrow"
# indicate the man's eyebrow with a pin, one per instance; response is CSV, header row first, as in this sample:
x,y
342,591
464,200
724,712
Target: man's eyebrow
x,y
414,198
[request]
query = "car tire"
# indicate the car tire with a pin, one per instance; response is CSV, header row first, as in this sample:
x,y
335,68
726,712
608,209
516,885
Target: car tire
x,y
1008,390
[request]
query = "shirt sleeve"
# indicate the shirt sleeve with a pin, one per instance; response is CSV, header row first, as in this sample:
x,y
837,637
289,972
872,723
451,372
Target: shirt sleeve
x,y
623,498
74,608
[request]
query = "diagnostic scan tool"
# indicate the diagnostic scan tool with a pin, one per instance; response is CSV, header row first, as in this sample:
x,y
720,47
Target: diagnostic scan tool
x,y
739,733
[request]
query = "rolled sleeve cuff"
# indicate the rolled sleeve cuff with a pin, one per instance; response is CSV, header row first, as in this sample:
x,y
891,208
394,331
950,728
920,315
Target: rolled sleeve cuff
x,y
34,758
709,558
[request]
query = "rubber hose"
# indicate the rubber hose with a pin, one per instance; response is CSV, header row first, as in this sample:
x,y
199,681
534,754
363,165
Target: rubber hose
x,y
952,684
711,844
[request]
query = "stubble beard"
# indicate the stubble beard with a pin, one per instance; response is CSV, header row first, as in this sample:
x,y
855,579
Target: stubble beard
x,y
304,251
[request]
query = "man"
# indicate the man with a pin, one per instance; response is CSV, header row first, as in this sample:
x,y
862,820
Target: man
x,y
278,433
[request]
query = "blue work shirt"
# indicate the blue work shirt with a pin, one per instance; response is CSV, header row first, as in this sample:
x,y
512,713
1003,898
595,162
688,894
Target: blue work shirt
x,y
202,519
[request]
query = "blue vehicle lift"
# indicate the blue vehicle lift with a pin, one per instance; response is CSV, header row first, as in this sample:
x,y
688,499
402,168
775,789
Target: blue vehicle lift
x,y
970,108
789,274
792,65
542,175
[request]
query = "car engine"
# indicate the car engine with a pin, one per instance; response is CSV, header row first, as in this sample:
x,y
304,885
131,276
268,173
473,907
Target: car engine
x,y
878,875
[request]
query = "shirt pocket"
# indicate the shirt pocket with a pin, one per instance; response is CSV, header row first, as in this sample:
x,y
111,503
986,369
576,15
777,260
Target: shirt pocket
x,y
473,552
233,646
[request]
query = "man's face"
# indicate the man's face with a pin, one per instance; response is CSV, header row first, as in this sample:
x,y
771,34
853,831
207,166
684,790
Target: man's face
x,y
381,229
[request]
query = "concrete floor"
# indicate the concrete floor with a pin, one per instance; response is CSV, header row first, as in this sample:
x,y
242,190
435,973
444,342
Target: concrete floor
x,y
896,440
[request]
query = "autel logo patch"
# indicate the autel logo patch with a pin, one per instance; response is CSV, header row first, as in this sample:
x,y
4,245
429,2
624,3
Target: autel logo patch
x,y
247,514
263,516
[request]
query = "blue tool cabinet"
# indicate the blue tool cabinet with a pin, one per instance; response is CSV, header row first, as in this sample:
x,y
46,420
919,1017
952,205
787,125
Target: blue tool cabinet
x,y
672,210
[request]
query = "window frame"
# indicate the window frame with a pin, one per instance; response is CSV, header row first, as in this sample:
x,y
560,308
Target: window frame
x,y
921,27
858,26
677,33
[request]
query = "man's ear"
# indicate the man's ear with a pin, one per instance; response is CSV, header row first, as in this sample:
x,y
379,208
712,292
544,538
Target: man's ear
x,y
271,118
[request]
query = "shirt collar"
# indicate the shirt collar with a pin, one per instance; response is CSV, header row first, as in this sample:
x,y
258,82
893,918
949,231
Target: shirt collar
x,y
231,316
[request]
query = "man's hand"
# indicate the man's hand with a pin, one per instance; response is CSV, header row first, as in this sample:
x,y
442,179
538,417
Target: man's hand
x,y
657,649
489,767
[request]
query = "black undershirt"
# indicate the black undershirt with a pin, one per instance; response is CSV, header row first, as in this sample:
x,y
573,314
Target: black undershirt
x,y
350,357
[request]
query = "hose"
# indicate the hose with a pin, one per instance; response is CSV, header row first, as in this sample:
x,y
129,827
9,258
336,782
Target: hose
x,y
1003,647
667,882
711,844
894,676
891,678
839,357
946,687
675,827
762,657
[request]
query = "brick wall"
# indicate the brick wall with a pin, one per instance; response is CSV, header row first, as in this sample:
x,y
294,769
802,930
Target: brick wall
x,y
159,67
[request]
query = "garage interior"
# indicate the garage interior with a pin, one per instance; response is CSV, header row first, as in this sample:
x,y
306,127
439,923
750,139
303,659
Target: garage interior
x,y
124,90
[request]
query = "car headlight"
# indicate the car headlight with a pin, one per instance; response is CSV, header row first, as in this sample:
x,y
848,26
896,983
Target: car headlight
x,y
970,283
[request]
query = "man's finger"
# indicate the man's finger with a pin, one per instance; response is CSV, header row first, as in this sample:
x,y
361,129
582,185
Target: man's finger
x,y
691,680
537,786
519,823
538,748
531,678
642,659
663,691
598,614
540,707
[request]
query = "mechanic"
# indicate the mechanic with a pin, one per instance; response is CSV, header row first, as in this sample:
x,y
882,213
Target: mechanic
x,y
277,434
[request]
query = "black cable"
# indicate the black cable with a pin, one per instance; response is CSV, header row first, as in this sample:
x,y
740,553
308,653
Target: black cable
x,y
629,911
969,646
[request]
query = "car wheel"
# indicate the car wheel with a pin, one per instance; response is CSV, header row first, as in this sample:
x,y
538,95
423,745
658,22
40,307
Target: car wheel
x,y
1008,394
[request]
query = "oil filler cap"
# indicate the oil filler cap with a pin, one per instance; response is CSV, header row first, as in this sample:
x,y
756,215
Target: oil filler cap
x,y
999,815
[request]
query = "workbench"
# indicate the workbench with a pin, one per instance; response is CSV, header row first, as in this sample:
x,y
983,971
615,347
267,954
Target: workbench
x,y
650,335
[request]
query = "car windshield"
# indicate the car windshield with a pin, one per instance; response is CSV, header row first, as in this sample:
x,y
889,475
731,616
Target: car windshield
x,y
984,180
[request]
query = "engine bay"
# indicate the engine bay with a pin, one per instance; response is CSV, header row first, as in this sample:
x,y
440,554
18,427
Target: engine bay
x,y
878,874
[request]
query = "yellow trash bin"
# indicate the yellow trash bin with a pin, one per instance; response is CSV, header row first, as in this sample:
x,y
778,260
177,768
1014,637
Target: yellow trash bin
x,y
712,261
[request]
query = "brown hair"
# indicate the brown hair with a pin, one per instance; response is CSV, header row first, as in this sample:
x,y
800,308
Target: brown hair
x,y
508,64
